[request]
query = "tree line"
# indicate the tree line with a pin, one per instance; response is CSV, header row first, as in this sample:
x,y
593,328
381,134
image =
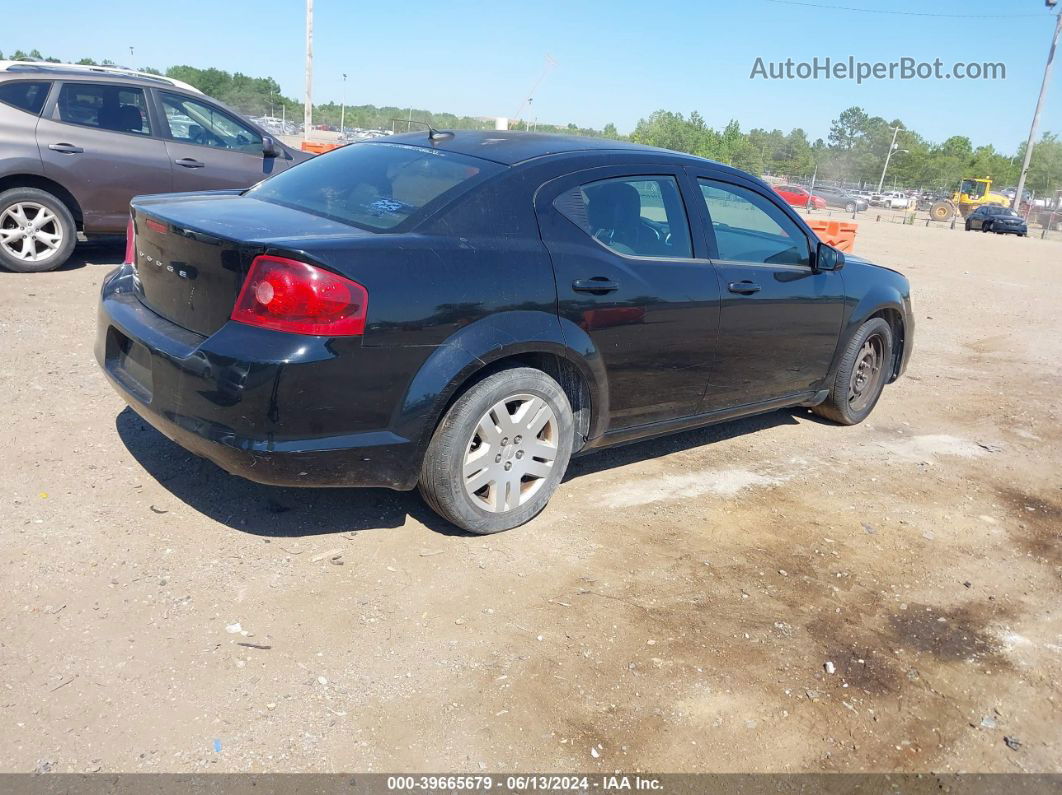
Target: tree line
x,y
852,153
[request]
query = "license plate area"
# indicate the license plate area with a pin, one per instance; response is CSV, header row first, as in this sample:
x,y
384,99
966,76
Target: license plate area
x,y
130,364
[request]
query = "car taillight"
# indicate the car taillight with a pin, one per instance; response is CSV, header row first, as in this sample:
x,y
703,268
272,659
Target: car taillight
x,y
287,295
130,243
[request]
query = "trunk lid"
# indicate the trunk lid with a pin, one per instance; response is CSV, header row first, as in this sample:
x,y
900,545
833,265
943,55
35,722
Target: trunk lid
x,y
192,252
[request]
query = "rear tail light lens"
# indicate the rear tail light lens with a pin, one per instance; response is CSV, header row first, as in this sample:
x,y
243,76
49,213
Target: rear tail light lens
x,y
130,243
287,295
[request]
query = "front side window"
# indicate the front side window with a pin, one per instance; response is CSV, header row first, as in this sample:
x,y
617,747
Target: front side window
x,y
749,227
636,216
27,95
106,106
196,122
375,186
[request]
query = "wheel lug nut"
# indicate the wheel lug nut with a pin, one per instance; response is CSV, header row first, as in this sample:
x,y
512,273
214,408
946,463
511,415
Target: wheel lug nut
x,y
497,459
508,465
519,453
505,440
517,440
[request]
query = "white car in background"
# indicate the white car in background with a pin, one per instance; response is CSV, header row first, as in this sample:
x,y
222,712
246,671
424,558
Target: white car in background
x,y
895,200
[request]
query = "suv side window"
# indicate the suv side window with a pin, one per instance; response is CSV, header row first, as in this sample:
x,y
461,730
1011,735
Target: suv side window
x,y
106,106
749,227
636,216
195,122
27,95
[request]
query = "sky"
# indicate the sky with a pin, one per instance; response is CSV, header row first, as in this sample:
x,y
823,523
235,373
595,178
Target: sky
x,y
615,60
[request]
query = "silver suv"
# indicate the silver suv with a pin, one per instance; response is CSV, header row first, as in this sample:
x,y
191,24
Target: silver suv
x,y
78,142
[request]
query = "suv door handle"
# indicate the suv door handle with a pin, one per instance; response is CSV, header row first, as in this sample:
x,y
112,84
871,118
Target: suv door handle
x,y
189,162
67,149
598,285
743,288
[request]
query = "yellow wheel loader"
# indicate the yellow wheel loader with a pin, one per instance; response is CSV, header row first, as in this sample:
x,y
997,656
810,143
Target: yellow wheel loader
x,y
972,193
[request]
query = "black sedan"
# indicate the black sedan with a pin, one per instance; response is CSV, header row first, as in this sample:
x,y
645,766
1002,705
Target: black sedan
x,y
465,311
839,197
998,219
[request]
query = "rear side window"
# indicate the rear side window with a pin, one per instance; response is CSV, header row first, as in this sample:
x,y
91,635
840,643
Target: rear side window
x,y
108,107
375,186
636,216
25,94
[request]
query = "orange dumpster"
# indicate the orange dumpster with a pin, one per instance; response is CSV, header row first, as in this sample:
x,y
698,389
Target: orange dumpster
x,y
319,147
839,234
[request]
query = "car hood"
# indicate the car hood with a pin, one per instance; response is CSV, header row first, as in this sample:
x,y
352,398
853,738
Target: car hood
x,y
852,259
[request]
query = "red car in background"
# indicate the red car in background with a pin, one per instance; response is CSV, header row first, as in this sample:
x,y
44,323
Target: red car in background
x,y
798,196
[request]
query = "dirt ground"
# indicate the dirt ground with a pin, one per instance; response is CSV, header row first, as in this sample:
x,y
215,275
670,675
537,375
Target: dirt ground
x,y
679,606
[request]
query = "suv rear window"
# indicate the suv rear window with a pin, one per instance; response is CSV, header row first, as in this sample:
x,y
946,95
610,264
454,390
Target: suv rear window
x,y
376,186
28,95
110,107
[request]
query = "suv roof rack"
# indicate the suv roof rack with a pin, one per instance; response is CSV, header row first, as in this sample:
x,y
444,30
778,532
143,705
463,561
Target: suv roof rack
x,y
75,68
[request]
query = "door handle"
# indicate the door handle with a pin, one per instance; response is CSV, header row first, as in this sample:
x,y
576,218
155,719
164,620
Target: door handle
x,y
189,162
598,285
66,149
743,288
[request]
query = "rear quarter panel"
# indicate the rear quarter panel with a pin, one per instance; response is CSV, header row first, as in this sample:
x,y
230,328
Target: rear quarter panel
x,y
18,142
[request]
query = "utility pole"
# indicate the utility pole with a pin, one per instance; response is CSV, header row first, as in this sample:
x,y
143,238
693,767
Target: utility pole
x,y
1039,106
343,106
888,157
307,110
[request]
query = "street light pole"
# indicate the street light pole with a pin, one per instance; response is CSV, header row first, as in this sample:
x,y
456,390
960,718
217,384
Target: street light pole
x,y
307,108
1039,106
888,157
343,106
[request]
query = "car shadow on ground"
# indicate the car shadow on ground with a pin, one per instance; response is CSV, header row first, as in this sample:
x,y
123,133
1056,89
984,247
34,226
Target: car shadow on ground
x,y
281,512
675,443
106,251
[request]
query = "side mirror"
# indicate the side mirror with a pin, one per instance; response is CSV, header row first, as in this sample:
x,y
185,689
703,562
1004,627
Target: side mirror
x,y
269,147
827,258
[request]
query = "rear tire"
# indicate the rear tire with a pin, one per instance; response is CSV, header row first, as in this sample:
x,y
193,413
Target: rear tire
x,y
865,366
850,207
500,452
37,231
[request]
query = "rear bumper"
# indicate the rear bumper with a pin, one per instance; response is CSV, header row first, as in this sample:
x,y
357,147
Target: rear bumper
x,y
274,408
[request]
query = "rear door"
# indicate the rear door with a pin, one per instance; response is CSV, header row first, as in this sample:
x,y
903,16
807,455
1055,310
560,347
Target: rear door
x,y
780,319
210,148
99,141
630,274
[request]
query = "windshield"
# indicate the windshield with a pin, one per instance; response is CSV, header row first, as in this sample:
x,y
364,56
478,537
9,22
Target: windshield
x,y
375,186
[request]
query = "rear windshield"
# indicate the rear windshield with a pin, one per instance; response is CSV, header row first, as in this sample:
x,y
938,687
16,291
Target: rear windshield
x,y
25,94
376,186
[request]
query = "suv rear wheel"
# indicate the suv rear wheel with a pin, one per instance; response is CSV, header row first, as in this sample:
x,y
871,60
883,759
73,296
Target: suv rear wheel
x,y
37,231
500,452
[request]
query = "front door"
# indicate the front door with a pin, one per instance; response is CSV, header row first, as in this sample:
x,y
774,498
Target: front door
x,y
98,141
211,149
632,277
780,318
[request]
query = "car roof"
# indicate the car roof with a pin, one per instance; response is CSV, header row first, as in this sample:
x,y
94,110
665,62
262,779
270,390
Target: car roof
x,y
511,147
47,69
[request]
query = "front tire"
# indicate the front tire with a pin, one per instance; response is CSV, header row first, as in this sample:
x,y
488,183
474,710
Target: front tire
x,y
850,207
37,231
865,366
500,452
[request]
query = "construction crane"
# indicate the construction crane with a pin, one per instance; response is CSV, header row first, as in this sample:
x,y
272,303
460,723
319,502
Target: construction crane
x,y
549,66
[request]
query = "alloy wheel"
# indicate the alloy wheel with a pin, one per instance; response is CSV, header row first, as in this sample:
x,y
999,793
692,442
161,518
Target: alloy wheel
x,y
511,453
30,231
